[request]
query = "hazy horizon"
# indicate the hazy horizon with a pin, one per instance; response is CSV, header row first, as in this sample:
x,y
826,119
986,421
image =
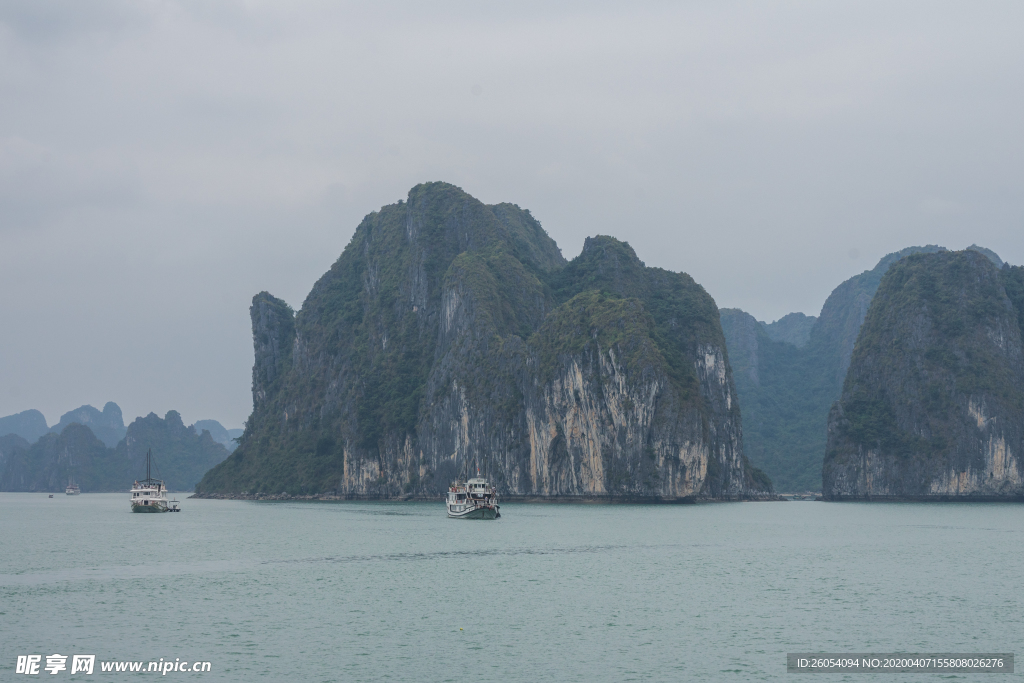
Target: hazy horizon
x,y
162,162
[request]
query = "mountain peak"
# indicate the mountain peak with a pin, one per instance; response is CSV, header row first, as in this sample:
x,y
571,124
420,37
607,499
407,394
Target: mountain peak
x,y
28,424
108,426
992,256
609,248
605,264
112,412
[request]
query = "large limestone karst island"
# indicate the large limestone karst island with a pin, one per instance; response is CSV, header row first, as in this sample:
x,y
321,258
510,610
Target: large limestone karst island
x,y
933,403
452,335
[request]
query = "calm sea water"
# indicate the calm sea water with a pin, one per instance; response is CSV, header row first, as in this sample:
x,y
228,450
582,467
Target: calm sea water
x,y
398,592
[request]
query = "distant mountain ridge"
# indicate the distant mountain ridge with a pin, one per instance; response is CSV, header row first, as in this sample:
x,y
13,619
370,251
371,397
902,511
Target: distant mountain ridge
x,y
108,423
181,457
36,458
786,389
50,463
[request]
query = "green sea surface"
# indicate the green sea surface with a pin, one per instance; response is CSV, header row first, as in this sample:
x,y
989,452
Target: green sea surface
x,y
360,591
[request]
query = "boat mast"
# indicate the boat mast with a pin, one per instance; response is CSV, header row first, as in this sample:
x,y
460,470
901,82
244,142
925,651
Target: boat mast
x,y
149,454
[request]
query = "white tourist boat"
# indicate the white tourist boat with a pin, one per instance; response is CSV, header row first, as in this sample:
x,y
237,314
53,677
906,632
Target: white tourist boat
x,y
150,495
72,489
473,499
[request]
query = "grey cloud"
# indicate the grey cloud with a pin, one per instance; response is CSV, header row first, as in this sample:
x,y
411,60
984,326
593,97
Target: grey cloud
x,y
160,162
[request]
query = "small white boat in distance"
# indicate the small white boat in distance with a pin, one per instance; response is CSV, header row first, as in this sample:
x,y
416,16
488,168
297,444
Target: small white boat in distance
x,y
72,489
474,499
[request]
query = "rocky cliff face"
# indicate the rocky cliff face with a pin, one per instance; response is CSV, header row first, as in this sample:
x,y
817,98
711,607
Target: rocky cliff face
x,y
933,404
452,335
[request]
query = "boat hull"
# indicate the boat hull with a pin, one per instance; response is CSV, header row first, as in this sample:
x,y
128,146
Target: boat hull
x,y
148,508
476,513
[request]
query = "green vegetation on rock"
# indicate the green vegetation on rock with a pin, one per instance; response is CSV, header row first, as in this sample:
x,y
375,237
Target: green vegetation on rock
x,y
933,404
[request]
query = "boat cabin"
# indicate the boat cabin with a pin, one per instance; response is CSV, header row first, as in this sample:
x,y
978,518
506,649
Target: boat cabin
x,y
147,493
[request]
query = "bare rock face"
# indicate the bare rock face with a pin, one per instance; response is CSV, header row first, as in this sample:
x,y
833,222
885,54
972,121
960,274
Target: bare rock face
x,y
933,404
452,335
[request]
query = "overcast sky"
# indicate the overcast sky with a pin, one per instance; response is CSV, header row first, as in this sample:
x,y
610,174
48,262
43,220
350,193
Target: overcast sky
x,y
162,161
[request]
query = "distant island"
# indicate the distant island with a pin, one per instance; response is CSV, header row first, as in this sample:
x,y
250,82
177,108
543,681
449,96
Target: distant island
x,y
452,335
101,454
